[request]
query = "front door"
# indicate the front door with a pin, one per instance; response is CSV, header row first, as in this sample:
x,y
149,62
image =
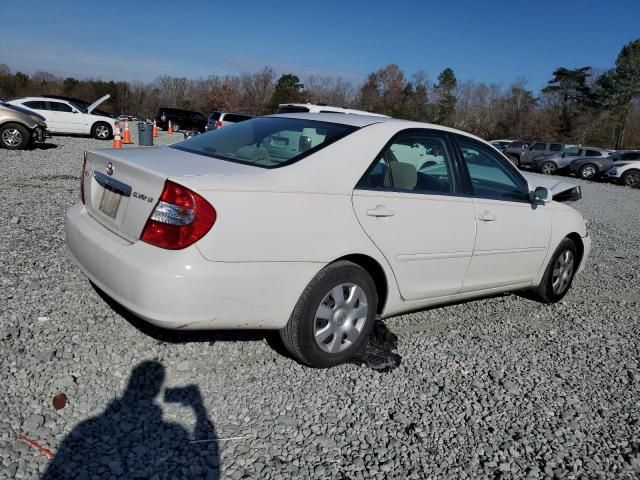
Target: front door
x,y
409,204
69,119
512,234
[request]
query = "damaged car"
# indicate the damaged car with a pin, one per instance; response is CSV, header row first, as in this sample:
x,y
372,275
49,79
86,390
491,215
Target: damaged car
x,y
20,128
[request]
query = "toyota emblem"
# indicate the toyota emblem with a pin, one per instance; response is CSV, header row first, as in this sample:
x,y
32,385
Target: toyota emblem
x,y
109,168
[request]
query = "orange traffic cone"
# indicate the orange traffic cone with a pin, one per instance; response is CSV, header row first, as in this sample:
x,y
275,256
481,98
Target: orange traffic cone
x,y
169,130
117,141
127,135
154,130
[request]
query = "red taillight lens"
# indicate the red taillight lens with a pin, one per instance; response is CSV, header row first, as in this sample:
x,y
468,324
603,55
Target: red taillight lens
x,y
181,218
84,167
218,123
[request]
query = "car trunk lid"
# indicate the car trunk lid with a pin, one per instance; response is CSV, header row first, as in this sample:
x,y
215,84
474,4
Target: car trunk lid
x,y
122,187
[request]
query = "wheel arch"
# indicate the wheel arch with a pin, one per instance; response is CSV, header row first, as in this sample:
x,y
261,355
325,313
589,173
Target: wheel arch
x,y
373,267
577,240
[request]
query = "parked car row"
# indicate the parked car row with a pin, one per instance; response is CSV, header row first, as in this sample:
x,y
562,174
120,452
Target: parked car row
x,y
588,163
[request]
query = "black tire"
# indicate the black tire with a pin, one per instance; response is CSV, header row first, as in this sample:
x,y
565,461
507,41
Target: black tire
x,y
545,292
14,136
298,335
588,171
101,131
548,168
175,127
514,160
631,178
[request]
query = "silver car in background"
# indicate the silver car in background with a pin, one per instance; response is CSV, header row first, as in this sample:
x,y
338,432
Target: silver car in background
x,y
561,161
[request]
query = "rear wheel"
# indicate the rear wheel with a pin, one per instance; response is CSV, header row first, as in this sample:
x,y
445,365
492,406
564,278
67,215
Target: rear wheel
x,y
631,178
14,136
333,317
588,171
175,127
101,131
548,168
559,274
514,160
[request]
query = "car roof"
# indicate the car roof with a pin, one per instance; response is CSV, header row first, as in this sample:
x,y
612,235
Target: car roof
x,y
364,120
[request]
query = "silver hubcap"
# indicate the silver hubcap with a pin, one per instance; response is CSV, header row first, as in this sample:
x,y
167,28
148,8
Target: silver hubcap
x,y
588,171
102,131
548,168
632,179
562,272
175,127
514,161
340,318
12,137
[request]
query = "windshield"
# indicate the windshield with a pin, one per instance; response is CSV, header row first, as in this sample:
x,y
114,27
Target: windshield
x,y
266,142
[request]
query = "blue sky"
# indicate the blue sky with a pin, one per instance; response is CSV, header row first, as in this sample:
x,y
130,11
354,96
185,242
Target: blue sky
x,y
490,41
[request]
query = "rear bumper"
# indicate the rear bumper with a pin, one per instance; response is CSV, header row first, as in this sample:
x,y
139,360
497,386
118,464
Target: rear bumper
x,y
180,289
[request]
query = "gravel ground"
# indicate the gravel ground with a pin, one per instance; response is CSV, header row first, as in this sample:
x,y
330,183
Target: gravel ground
x,y
497,388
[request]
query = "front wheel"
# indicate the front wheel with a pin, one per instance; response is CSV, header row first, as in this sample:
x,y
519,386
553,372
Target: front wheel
x,y
514,160
333,317
548,168
559,274
101,131
588,171
631,178
175,127
14,136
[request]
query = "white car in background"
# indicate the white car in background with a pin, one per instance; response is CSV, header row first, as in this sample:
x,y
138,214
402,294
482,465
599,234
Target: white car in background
x,y
64,116
322,108
316,225
626,172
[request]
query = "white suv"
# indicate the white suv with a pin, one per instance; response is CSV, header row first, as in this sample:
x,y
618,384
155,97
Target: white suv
x,y
64,116
626,172
321,108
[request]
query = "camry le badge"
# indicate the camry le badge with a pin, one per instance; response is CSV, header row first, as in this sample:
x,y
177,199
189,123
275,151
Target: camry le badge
x,y
109,168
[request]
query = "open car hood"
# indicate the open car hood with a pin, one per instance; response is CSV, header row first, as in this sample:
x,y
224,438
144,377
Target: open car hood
x,y
561,191
91,107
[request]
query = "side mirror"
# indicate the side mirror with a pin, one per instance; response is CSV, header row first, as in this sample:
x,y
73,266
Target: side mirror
x,y
74,110
541,195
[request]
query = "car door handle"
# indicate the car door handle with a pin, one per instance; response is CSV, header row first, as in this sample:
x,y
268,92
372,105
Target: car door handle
x,y
486,217
380,211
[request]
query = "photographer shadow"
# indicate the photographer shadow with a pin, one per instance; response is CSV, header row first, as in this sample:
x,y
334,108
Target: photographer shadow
x,y
130,439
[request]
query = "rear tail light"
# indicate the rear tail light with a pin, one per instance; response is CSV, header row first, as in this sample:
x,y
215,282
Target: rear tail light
x,y
181,218
84,168
218,123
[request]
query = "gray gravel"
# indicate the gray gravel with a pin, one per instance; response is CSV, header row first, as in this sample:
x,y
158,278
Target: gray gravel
x,y
497,388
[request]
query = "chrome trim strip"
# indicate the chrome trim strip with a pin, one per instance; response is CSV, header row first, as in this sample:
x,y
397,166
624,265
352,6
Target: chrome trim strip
x,y
112,184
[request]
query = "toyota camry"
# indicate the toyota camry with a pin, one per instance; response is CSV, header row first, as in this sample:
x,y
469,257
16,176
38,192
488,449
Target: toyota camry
x,y
316,225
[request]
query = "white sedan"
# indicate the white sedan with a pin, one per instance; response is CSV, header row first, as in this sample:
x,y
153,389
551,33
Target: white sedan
x,y
314,224
626,172
65,116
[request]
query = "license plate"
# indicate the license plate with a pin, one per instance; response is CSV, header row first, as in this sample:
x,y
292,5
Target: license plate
x,y
110,202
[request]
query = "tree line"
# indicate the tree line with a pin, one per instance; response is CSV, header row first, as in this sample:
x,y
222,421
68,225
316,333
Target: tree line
x,y
580,105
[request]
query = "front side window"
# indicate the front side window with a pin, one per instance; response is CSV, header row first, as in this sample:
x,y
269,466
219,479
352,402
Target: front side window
x,y
490,176
414,161
60,107
266,142
539,146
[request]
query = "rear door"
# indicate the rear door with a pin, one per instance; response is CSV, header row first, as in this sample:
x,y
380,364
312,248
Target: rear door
x,y
512,234
409,203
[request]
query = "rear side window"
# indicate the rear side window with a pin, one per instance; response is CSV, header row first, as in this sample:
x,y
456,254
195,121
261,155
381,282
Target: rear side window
x,y
266,142
490,174
414,161
539,146
593,153
214,116
292,109
555,147
573,152
59,107
36,105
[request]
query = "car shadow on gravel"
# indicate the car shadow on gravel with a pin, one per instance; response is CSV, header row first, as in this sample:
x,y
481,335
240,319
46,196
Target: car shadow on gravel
x,y
377,354
43,146
130,439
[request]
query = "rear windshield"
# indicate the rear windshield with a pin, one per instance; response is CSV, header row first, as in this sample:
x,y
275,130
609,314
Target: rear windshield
x,y
266,142
293,109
